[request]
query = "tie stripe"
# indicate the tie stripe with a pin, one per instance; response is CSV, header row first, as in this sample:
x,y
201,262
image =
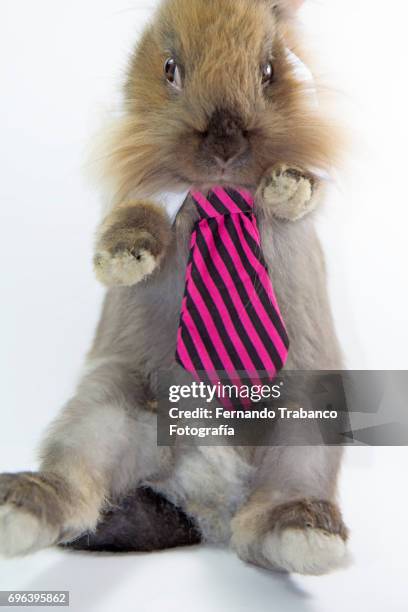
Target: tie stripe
x,y
246,298
231,202
256,265
230,319
213,344
191,351
216,327
261,295
220,295
250,231
222,202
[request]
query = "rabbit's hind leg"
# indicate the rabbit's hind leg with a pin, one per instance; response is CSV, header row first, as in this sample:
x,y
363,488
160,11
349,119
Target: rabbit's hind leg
x,y
292,522
103,443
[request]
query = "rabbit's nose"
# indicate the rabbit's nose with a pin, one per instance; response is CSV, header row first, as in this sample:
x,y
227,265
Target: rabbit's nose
x,y
225,138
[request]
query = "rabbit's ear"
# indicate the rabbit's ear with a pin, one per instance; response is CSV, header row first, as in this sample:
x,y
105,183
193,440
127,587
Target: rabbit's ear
x,y
295,4
285,8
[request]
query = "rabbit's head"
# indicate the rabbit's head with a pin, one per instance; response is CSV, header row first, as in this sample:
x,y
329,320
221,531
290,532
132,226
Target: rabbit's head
x,y
213,96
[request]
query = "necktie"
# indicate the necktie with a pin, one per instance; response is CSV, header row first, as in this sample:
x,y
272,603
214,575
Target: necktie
x,y
230,320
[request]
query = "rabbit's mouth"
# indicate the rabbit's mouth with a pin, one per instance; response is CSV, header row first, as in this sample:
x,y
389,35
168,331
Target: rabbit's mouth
x,y
240,171
236,169
223,173
224,176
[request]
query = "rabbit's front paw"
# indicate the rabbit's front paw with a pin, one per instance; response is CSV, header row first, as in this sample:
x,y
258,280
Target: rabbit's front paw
x,y
289,192
31,511
131,243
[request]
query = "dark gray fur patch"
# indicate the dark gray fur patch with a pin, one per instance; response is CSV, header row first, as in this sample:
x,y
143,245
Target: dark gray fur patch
x,y
144,521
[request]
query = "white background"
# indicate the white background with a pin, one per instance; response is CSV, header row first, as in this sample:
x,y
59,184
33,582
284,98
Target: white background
x,y
60,68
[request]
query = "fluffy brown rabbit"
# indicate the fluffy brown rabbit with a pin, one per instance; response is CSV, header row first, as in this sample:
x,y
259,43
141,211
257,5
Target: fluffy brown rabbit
x,y
213,96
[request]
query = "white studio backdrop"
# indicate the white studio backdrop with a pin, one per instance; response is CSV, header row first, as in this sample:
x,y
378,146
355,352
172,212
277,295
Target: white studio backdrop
x,y
60,72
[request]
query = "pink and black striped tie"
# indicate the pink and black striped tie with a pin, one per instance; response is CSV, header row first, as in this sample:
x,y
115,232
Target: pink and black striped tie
x,y
230,320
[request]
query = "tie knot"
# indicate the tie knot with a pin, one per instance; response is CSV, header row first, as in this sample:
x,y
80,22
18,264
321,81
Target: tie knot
x,y
221,201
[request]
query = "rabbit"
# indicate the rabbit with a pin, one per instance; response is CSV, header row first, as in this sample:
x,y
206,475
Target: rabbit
x,y
212,96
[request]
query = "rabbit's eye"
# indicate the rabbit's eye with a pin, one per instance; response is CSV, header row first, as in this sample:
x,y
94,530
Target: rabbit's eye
x,y
173,73
267,72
